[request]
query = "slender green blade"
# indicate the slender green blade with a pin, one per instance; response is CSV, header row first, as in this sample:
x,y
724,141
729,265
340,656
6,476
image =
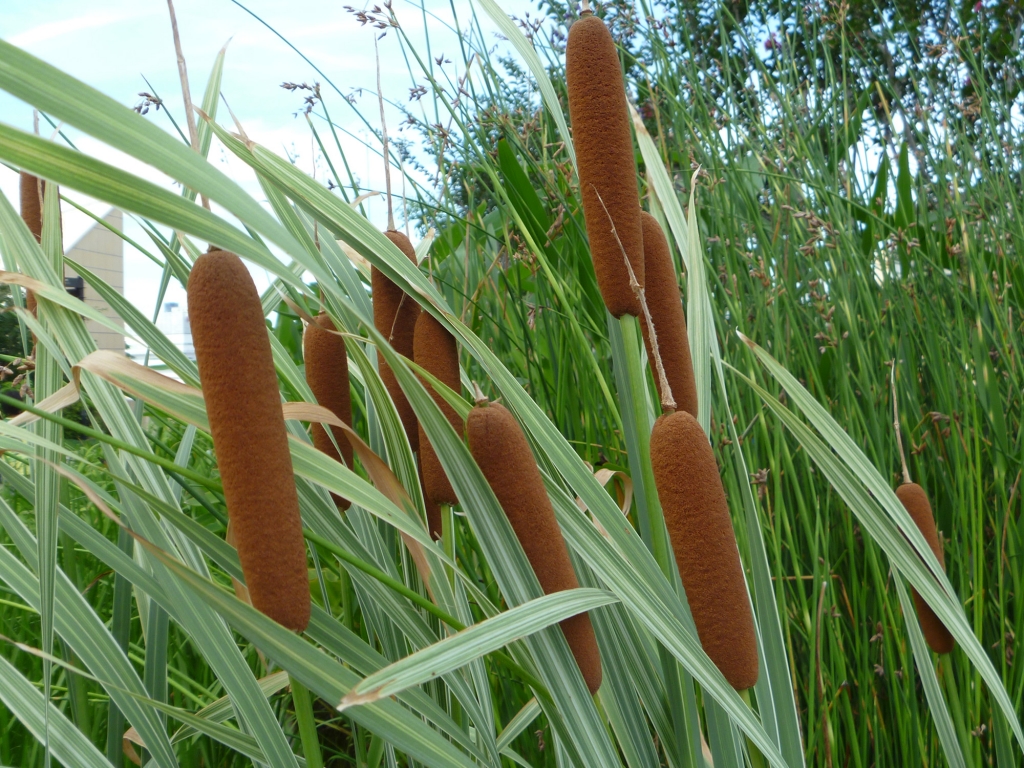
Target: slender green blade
x,y
69,745
929,680
475,641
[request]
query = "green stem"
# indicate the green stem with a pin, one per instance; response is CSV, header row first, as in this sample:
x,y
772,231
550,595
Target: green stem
x,y
448,537
953,697
307,724
753,753
199,496
376,751
385,579
636,420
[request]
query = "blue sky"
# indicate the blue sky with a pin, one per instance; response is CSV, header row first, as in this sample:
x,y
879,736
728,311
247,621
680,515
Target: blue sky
x,y
112,44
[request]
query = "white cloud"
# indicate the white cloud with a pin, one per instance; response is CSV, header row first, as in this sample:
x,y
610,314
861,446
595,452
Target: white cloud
x,y
53,29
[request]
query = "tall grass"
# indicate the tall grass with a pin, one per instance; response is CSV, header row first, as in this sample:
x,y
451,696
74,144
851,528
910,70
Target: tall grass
x,y
837,238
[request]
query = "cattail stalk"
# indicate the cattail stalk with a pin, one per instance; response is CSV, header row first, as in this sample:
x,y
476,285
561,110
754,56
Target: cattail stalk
x,y
500,449
666,316
435,349
326,361
434,514
32,189
605,160
394,315
914,499
700,529
668,403
243,404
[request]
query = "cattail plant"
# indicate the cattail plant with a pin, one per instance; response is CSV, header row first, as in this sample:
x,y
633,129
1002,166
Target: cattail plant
x,y
503,454
434,525
326,361
394,313
243,404
661,291
697,517
915,501
605,161
32,188
435,349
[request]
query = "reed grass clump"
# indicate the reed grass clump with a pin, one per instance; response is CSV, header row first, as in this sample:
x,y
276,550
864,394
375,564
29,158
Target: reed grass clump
x,y
605,161
915,500
326,362
503,454
394,315
702,536
243,404
661,291
435,349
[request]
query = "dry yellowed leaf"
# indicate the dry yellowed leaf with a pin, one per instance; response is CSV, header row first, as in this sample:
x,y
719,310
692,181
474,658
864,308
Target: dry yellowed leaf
x,y
62,398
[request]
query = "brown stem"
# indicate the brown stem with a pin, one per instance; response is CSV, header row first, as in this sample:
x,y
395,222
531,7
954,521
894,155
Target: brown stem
x,y
384,135
479,398
668,402
896,423
190,117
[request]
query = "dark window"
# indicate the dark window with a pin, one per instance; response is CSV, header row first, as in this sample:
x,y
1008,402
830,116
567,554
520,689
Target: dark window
x,y
75,286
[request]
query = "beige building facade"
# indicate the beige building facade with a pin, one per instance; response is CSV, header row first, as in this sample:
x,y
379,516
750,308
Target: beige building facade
x,y
102,253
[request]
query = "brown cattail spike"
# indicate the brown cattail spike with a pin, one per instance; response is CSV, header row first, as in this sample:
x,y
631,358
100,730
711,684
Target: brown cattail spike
x,y
503,454
915,500
394,315
236,369
327,375
697,517
435,349
605,160
32,188
434,525
32,203
661,290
